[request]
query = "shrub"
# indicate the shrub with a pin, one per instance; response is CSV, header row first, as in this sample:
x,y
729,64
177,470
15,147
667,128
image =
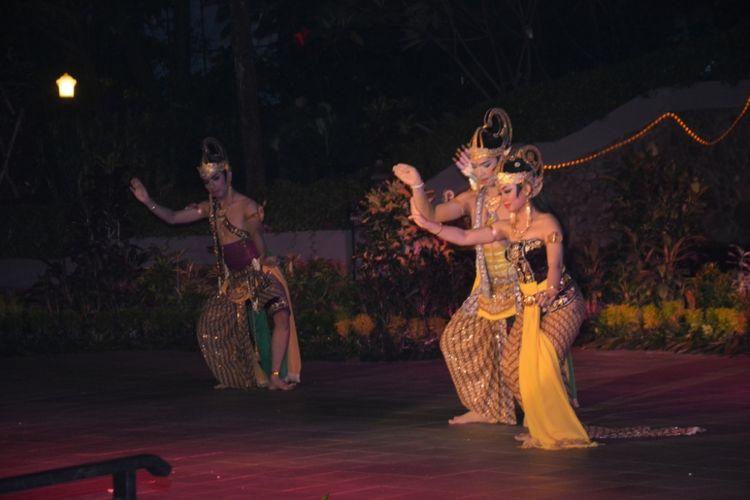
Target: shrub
x,y
618,320
670,326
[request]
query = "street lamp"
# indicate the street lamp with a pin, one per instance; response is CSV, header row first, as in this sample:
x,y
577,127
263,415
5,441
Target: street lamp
x,y
66,86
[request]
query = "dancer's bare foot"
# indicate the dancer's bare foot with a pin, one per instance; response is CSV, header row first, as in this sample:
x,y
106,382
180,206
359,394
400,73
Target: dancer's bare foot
x,y
275,383
221,386
522,436
470,417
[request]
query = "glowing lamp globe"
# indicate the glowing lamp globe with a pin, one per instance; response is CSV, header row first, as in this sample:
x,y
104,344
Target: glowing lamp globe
x,y
66,86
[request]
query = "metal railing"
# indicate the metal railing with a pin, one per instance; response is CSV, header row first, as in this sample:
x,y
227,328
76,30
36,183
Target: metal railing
x,y
122,470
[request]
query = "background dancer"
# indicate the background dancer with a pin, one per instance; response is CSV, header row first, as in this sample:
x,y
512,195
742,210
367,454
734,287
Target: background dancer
x,y
247,281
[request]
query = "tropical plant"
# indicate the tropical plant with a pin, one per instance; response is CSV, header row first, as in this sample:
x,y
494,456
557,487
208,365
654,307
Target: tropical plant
x,y
114,295
712,287
324,299
740,259
588,264
404,272
394,254
657,209
667,266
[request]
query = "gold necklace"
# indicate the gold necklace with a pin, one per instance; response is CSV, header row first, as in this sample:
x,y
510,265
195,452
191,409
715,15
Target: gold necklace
x,y
514,221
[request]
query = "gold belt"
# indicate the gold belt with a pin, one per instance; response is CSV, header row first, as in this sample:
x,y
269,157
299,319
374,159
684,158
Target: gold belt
x,y
529,300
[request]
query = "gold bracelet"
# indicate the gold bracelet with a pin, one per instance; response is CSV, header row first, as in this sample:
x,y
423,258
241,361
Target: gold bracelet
x,y
438,231
420,185
152,207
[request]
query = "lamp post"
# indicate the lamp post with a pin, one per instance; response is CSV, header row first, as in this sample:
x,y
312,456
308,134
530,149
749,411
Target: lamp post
x,y
66,86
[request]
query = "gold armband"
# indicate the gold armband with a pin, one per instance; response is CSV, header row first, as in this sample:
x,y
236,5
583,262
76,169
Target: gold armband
x,y
554,237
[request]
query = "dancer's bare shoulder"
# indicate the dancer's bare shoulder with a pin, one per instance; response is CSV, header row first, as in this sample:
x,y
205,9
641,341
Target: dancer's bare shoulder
x,y
252,211
467,196
548,223
466,200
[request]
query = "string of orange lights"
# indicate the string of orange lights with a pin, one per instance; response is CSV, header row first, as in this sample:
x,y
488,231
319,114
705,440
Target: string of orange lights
x,y
647,129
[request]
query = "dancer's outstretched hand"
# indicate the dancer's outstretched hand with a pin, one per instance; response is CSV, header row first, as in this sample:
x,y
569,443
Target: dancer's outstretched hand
x,y
421,221
407,174
462,161
139,190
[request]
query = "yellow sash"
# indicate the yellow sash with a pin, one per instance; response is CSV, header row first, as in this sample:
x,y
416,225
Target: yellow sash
x,y
511,311
482,313
552,423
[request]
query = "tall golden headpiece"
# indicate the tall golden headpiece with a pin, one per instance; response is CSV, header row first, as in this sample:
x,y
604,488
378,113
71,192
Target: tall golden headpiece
x,y
496,128
213,158
523,165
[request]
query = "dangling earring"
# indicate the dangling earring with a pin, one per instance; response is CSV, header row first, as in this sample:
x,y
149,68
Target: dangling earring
x,y
514,230
528,213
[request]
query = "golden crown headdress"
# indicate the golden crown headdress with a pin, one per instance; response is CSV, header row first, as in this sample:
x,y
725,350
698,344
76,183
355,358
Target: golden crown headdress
x,y
213,158
494,119
496,127
523,165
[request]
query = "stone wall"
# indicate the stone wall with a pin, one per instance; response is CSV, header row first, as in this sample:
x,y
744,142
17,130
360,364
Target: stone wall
x,y
331,245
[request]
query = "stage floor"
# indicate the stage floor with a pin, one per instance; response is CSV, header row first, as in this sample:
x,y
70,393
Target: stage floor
x,y
369,430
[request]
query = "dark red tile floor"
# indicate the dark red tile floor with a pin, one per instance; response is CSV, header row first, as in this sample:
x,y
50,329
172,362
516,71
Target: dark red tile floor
x,y
368,430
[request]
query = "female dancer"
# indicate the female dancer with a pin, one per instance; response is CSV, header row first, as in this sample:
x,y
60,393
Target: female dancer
x,y
245,279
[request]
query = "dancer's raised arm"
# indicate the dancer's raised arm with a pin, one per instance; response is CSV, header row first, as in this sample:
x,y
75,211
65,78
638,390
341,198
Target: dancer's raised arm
x,y
190,214
550,227
447,211
253,214
452,234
